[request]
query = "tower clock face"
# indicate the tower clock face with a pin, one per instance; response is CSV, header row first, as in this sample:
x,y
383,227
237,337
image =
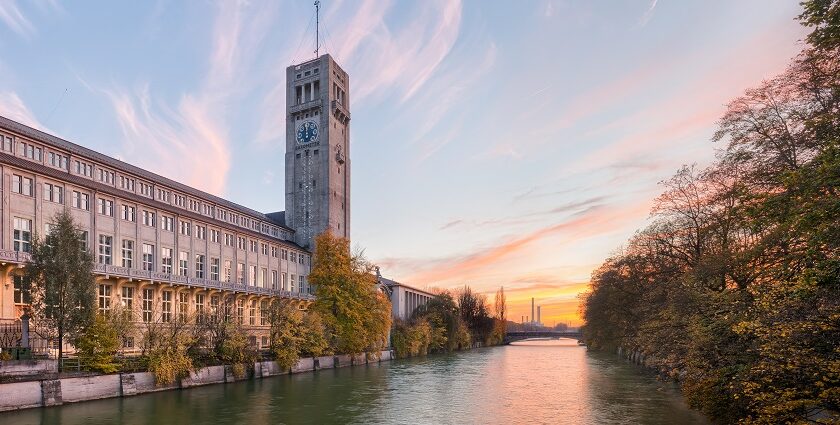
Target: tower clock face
x,y
307,132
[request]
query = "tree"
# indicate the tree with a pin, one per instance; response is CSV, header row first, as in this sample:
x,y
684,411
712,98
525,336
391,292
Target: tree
x,y
357,316
295,333
60,275
98,345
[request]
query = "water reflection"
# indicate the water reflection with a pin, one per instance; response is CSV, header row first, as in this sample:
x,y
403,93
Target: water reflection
x,y
549,382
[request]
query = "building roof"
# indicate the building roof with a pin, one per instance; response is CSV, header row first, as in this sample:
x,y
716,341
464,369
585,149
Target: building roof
x,y
60,143
393,283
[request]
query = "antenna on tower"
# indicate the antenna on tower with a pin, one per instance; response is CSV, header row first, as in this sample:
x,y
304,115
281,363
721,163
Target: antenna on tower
x,y
317,27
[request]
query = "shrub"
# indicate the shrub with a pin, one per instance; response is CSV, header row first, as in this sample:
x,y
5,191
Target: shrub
x,y
98,345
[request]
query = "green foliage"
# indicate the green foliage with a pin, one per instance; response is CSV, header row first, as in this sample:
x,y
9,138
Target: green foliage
x,y
98,345
295,333
356,315
167,345
411,339
169,366
735,288
61,281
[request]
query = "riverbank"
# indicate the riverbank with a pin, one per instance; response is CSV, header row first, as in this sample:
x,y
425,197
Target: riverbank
x,y
58,391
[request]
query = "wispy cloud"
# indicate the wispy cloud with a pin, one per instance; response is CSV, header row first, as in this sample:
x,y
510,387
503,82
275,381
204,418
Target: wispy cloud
x,y
11,15
648,14
13,107
181,141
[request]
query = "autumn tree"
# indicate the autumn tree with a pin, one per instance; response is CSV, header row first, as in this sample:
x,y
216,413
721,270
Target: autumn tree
x,y
62,286
357,316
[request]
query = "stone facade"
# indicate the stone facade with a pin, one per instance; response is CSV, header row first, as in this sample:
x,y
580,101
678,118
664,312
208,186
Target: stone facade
x,y
161,248
317,149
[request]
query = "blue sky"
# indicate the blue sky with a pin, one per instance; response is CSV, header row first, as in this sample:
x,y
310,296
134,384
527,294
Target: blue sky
x,y
492,143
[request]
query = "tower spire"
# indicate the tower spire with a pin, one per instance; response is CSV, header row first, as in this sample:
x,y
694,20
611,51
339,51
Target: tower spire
x,y
317,27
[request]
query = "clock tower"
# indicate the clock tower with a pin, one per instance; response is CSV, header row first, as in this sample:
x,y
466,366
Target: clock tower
x,y
317,150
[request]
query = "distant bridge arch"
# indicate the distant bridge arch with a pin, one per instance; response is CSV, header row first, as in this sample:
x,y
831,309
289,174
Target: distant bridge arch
x,y
523,335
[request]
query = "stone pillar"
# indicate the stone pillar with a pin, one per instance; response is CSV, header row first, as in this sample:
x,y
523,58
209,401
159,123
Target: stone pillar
x,y
128,384
24,330
51,392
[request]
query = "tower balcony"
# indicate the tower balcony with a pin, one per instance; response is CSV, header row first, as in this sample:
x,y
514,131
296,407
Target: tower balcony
x,y
340,112
305,106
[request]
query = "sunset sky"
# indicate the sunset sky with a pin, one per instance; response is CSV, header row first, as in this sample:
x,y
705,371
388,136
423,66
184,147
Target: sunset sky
x,y
511,144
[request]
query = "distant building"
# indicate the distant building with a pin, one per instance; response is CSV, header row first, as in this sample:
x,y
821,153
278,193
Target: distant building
x,y
404,298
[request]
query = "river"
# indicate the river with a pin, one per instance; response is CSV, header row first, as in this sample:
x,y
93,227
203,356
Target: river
x,y
534,382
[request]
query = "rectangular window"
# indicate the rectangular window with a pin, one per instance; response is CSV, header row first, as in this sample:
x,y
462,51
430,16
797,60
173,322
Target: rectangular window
x,y
83,240
214,305
81,200
228,239
22,294
240,273
227,270
200,232
185,228
105,244
263,313
148,304
183,263
146,190
264,248
274,252
166,260
105,207
214,269
240,242
53,193
253,246
252,313
128,297
22,235
148,218
199,308
285,254
148,257
240,310
167,223
127,253
301,283
183,304
214,236
263,277
104,298
22,185
252,276
128,212
274,279
199,266
166,306
292,283
283,282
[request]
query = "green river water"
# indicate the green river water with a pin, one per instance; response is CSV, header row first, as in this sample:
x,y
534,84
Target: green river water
x,y
533,382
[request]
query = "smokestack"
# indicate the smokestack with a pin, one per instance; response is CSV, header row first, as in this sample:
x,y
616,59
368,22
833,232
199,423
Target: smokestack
x,y
539,314
532,309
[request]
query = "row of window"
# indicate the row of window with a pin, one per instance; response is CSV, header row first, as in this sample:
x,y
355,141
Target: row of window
x,y
170,305
22,241
81,200
203,305
130,184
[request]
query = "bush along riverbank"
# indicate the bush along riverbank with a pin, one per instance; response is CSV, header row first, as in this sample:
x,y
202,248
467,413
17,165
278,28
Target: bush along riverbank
x,y
56,391
451,322
734,287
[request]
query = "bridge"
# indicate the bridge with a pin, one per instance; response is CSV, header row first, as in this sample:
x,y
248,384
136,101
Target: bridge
x,y
520,335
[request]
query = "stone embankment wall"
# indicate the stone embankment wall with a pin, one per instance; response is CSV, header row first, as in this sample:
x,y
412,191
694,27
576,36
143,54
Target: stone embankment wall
x,y
53,392
650,362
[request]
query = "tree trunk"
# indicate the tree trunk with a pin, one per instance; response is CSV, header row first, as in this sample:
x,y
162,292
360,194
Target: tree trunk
x,y
60,346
